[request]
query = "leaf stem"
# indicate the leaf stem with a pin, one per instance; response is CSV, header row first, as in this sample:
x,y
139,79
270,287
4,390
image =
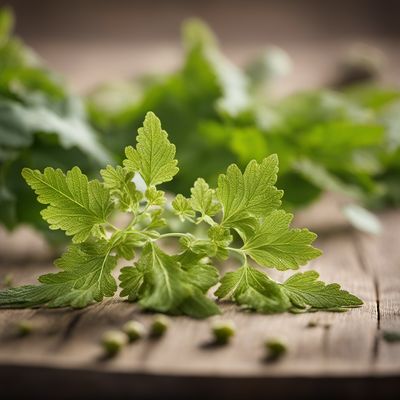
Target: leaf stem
x,y
131,224
145,208
240,253
112,226
172,234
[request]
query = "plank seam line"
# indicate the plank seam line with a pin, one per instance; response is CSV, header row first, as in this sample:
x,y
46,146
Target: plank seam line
x,y
71,326
360,256
365,266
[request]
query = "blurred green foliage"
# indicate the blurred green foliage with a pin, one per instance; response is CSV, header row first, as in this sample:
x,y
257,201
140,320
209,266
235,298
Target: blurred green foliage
x,y
41,124
343,140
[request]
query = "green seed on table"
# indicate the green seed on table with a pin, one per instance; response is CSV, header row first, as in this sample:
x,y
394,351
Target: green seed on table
x,y
159,326
113,341
275,349
223,331
134,330
8,281
391,336
24,327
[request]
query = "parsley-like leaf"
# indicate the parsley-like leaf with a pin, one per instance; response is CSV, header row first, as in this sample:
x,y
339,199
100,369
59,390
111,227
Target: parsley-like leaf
x,y
275,244
122,189
253,289
249,195
182,207
85,278
306,291
203,200
154,155
76,205
160,283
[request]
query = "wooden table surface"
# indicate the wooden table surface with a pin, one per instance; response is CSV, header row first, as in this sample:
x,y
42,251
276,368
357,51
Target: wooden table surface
x,y
345,353
343,356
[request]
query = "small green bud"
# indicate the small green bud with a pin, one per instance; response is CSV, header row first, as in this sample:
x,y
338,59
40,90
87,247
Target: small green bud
x,y
159,326
312,324
113,341
8,281
391,336
275,349
223,331
134,330
24,327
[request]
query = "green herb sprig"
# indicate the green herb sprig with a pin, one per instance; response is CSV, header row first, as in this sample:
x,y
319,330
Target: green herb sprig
x,y
241,219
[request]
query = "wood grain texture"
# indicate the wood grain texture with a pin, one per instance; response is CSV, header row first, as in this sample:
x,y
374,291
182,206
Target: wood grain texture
x,y
381,256
342,347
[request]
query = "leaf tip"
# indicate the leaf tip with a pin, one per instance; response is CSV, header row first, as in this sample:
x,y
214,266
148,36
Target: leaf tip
x,y
274,157
26,172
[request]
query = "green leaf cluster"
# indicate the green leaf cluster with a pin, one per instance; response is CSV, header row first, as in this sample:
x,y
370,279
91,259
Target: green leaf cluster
x,y
344,139
41,124
239,218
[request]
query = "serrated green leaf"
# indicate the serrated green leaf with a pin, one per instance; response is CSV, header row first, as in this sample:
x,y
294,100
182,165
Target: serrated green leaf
x,y
85,278
182,207
188,258
203,199
131,281
252,289
248,195
199,306
220,236
155,197
28,296
154,155
306,291
76,205
203,276
166,286
125,243
122,189
274,244
199,246
156,219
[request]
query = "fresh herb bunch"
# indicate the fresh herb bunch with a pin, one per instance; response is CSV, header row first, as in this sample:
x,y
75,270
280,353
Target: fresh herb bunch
x,y
243,209
41,124
345,140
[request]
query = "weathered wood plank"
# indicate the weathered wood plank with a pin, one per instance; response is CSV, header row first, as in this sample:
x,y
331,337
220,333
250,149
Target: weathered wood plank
x,y
24,246
342,344
381,256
